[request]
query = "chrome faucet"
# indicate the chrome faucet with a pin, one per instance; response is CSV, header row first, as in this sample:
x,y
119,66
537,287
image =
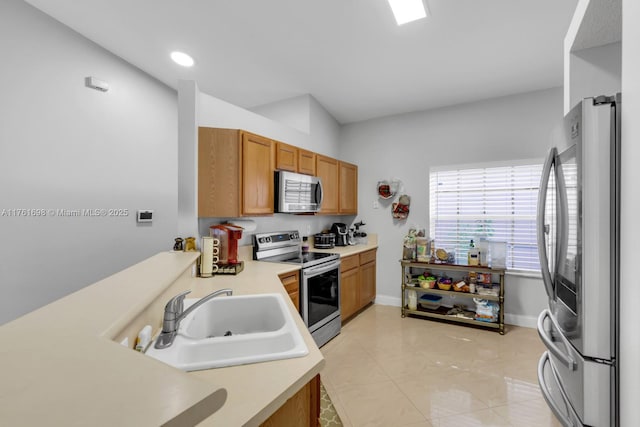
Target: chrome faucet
x,y
174,313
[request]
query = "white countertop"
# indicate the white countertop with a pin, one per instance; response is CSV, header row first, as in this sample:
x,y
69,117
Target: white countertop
x,y
60,364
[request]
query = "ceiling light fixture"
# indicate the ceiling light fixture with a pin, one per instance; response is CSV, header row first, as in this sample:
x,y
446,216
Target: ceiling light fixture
x,y
408,10
182,58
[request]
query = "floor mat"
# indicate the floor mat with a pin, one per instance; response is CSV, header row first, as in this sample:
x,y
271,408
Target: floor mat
x,y
328,415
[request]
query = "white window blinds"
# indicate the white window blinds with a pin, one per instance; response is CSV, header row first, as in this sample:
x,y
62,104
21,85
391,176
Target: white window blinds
x,y
497,203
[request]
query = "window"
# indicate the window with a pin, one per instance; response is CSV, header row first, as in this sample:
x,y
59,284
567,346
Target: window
x,y
493,202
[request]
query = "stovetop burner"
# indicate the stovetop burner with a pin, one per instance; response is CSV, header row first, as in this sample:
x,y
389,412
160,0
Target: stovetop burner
x,y
285,247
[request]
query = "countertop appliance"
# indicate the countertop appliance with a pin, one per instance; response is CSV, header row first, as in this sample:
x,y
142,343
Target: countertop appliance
x,y
297,193
324,240
342,233
578,244
319,280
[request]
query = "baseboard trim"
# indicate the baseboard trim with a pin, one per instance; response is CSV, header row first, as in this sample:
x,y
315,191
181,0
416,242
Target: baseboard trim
x,y
509,319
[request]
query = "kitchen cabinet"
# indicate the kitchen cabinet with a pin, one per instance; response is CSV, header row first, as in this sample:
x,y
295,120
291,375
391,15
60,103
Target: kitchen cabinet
x,y
235,173
327,170
340,186
306,162
294,159
286,157
301,410
357,282
291,282
348,189
349,281
409,283
367,277
258,160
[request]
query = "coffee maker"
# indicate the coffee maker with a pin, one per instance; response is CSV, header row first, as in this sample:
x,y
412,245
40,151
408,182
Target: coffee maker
x,y
342,233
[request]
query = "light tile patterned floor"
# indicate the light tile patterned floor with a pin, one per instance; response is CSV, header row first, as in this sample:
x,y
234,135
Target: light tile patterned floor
x,y
383,370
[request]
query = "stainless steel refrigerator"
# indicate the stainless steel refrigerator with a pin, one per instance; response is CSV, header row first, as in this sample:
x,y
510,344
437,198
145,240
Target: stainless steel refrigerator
x,y
578,244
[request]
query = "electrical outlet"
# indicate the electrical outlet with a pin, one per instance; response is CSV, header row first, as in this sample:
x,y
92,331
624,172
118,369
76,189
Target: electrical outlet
x,y
376,204
308,229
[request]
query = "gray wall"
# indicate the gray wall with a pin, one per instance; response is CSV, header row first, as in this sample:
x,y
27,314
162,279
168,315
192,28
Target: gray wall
x,y
407,145
64,146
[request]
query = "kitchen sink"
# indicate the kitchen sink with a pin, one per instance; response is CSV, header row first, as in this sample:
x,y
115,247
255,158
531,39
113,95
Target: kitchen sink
x,y
234,330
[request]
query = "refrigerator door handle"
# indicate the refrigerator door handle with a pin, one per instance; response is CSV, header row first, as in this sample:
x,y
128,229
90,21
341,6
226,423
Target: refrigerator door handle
x,y
564,420
548,342
542,228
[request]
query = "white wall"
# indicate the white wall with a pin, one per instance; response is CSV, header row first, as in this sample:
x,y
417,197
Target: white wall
x,y
595,71
630,206
407,145
64,146
293,112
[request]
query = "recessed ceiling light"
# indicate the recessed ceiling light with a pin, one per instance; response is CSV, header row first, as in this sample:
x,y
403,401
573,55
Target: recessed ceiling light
x,y
182,58
407,10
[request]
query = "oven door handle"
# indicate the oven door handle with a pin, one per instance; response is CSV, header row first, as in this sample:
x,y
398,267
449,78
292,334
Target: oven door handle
x,y
319,269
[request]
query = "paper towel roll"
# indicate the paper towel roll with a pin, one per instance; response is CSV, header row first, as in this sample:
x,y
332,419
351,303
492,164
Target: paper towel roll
x,y
206,265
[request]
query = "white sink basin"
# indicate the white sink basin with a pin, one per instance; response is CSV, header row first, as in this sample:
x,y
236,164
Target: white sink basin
x,y
234,330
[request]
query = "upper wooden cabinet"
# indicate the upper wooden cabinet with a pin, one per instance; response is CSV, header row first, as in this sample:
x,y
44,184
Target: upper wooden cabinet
x,y
286,157
340,186
258,161
294,159
348,193
235,173
328,171
306,162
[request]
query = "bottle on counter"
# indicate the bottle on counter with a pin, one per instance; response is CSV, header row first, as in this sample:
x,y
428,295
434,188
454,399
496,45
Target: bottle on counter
x,y
473,255
305,244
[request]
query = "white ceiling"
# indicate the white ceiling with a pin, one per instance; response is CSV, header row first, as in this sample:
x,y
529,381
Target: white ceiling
x,y
349,54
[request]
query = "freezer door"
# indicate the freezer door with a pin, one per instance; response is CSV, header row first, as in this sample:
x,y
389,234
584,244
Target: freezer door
x,y
585,385
553,394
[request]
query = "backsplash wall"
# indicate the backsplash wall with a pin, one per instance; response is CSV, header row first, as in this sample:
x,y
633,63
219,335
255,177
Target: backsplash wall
x,y
280,222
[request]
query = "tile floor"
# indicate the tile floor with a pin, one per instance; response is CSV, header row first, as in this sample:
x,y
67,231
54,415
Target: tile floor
x,y
383,370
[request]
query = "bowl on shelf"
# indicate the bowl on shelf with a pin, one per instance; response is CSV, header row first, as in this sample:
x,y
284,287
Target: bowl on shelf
x,y
444,286
430,302
444,283
428,283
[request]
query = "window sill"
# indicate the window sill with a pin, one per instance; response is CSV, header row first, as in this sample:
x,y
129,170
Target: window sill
x,y
524,273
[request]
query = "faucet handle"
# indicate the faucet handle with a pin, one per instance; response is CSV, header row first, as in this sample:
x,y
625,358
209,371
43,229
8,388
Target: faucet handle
x,y
176,304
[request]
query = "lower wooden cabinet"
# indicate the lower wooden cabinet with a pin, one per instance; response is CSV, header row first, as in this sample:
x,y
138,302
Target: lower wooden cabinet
x,y
349,301
367,277
301,410
357,282
291,282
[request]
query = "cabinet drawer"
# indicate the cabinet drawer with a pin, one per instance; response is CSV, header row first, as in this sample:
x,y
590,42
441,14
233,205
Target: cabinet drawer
x,y
349,263
368,256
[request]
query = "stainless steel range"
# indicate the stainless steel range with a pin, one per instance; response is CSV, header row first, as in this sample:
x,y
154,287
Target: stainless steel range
x,y
320,280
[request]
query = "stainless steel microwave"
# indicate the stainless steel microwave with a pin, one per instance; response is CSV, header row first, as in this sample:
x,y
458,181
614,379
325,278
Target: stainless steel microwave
x,y
297,193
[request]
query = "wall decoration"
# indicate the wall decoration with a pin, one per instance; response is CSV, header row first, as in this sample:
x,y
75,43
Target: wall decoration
x,y
400,210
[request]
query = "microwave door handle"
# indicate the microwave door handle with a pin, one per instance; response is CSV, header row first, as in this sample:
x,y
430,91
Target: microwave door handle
x,y
548,342
542,228
319,193
544,360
